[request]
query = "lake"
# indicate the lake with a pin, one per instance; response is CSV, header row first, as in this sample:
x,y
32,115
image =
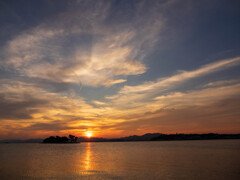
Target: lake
x,y
193,160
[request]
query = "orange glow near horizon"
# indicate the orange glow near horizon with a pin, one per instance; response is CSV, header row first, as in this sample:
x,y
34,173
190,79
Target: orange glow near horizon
x,y
88,134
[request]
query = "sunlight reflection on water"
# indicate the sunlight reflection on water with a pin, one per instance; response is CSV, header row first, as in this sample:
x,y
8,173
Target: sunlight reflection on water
x,y
87,160
122,160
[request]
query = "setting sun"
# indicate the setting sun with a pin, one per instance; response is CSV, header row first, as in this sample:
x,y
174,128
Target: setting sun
x,y
88,134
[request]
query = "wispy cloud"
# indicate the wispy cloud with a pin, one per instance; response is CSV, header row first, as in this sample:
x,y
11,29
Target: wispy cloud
x,y
91,51
199,97
137,93
221,83
168,82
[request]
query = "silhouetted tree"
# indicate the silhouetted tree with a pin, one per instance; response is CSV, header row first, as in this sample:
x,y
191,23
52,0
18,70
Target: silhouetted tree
x,y
73,139
58,139
64,139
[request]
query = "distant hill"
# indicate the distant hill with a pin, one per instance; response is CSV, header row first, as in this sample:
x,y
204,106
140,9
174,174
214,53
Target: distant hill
x,y
169,137
145,137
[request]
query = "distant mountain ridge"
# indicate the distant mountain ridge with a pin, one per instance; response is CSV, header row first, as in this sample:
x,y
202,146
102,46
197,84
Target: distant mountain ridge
x,y
145,137
170,137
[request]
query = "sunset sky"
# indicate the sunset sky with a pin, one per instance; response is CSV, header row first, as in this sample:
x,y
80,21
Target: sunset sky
x,y
117,68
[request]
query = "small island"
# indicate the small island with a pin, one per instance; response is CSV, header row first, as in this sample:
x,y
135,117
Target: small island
x,y
64,139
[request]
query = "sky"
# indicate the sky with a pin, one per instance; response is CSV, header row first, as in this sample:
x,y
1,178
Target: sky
x,y
118,68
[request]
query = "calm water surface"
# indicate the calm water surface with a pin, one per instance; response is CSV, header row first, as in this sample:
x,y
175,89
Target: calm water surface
x,y
213,159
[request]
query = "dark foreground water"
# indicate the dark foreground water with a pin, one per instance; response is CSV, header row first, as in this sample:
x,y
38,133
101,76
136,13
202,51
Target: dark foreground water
x,y
193,160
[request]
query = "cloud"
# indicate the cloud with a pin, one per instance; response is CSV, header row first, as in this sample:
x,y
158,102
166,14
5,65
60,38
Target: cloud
x,y
25,106
177,100
198,97
214,109
99,103
93,51
221,83
21,100
52,126
130,95
169,82
219,117
18,110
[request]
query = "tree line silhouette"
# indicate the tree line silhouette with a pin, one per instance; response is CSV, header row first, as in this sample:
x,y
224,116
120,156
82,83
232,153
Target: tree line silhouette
x,y
58,139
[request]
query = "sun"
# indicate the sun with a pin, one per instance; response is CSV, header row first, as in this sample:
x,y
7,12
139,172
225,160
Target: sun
x,y
88,134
